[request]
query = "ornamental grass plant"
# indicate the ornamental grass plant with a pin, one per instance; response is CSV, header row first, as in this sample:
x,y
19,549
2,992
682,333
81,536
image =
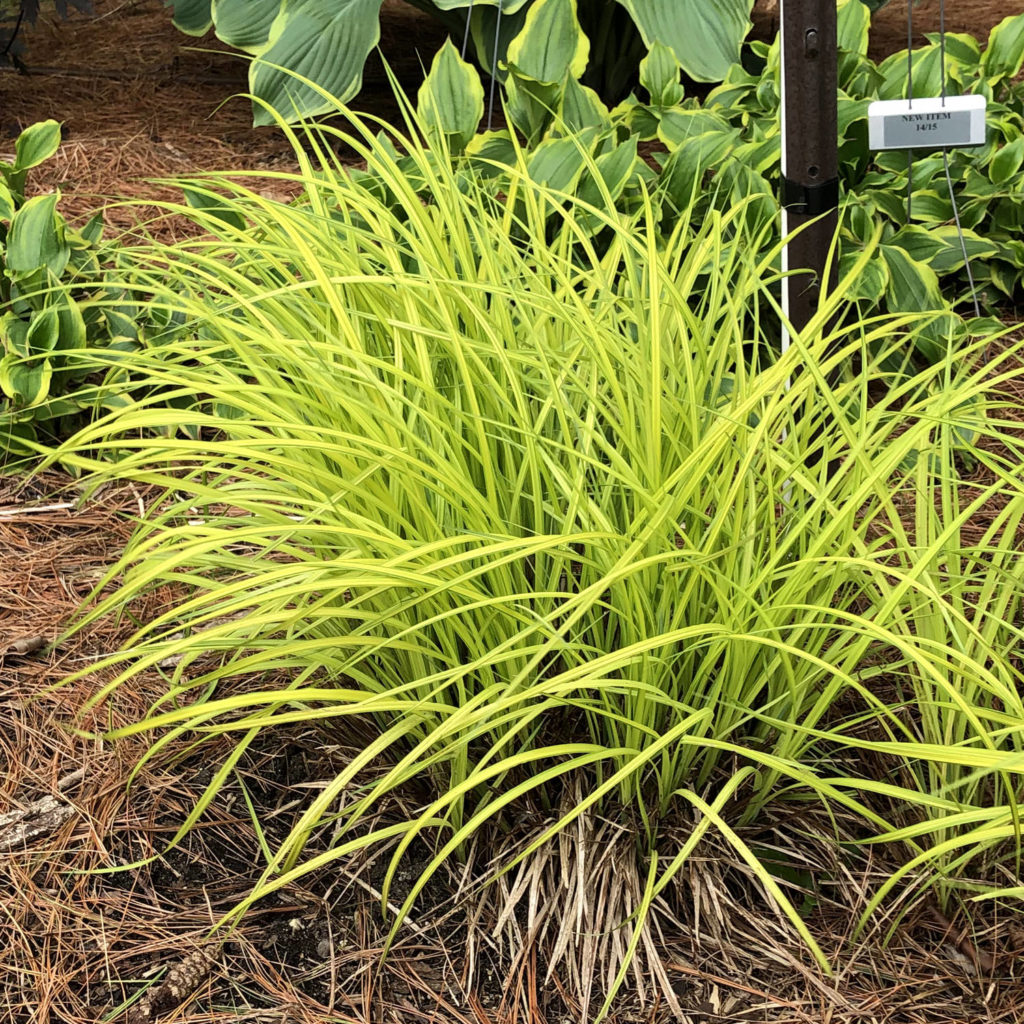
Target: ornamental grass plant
x,y
549,511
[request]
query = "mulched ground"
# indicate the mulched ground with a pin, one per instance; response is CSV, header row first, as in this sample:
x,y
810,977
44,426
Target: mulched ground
x,y
137,102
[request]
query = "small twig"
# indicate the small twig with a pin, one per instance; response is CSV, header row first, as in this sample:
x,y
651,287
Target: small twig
x,y
19,828
26,645
982,962
42,816
12,511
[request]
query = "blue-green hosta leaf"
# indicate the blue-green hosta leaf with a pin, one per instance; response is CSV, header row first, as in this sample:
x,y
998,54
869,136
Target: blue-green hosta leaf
x,y
325,43
36,144
25,381
451,99
854,21
705,35
192,16
659,75
36,238
1004,55
245,23
551,44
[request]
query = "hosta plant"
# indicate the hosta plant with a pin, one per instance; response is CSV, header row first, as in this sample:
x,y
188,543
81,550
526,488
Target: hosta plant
x,y
328,42
728,148
572,542
51,276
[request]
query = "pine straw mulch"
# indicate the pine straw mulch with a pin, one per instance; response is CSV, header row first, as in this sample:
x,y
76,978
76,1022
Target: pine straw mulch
x,y
78,947
138,100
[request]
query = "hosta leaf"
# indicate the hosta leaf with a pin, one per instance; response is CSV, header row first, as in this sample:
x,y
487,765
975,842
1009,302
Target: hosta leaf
x,y
962,47
36,144
215,206
327,44
918,243
1007,162
43,332
951,256
659,75
1004,54
551,44
6,202
13,335
682,126
36,238
928,206
492,36
683,174
615,169
245,23
582,108
913,284
451,99
705,35
854,21
557,163
507,6
871,283
25,381
192,17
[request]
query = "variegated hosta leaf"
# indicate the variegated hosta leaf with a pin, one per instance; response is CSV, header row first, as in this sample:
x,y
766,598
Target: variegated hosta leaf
x,y
551,44
451,100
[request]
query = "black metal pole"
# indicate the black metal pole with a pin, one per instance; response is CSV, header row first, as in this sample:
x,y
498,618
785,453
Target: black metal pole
x,y
810,158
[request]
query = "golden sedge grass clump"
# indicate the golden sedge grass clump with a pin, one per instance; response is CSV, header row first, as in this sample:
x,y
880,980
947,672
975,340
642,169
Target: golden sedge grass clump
x,y
539,502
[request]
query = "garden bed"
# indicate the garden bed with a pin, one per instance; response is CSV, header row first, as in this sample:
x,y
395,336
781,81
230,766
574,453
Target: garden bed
x,y
79,947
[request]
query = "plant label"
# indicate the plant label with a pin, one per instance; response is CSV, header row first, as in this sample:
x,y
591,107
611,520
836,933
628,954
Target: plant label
x,y
928,123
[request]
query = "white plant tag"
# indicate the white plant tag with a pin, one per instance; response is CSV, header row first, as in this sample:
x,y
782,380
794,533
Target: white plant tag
x,y
927,123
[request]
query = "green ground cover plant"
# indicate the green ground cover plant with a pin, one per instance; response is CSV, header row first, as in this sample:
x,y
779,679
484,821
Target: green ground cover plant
x,y
516,477
329,42
49,272
727,149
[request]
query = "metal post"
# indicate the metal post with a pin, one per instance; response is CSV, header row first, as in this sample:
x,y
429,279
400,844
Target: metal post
x,y
810,158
